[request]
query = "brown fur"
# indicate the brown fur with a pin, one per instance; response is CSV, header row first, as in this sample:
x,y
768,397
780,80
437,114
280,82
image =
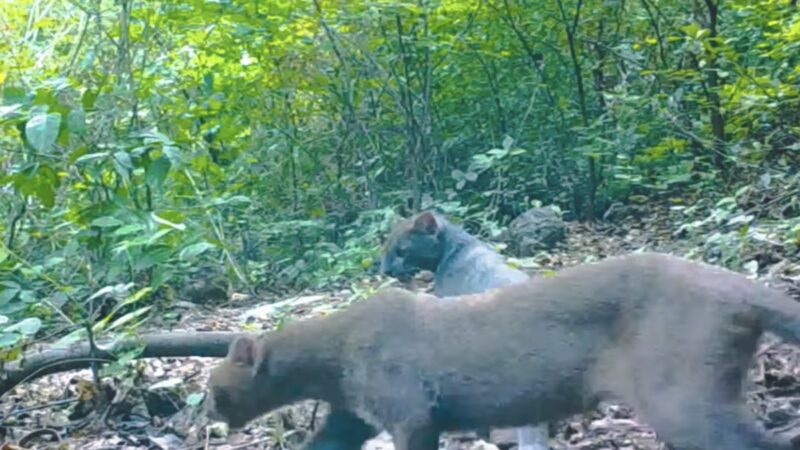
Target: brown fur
x,y
671,338
461,264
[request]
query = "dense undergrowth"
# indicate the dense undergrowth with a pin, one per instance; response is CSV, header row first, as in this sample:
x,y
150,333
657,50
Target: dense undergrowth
x,y
144,145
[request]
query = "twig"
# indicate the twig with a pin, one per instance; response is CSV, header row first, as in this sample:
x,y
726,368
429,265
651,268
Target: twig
x,y
38,433
312,422
249,444
21,411
37,364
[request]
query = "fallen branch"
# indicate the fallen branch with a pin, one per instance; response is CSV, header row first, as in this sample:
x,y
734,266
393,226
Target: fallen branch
x,y
39,363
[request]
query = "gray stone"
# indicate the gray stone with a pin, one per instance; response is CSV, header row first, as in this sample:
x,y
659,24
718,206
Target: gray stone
x,y
618,211
534,230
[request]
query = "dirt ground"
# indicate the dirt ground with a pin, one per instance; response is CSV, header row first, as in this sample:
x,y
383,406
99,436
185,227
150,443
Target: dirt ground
x,y
155,407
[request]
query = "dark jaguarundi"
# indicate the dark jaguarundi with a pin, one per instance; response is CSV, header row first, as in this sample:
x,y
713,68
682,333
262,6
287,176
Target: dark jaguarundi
x,y
671,338
461,263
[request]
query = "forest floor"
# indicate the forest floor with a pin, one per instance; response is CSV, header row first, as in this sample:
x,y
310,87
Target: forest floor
x,y
148,410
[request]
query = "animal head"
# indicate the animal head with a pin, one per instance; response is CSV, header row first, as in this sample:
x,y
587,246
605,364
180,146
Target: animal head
x,y
415,244
239,388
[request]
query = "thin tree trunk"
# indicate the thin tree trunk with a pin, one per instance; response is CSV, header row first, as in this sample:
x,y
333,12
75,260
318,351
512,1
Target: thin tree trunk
x,y
570,27
717,119
413,129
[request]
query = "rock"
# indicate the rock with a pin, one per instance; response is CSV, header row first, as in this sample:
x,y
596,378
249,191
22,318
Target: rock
x,y
264,312
163,402
503,437
534,230
167,441
380,442
482,445
618,211
206,286
239,297
218,429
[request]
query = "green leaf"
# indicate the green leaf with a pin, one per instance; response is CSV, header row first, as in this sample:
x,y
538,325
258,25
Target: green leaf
x,y
76,122
46,194
195,399
53,261
230,200
208,81
9,339
123,165
123,162
498,153
12,308
135,297
42,130
8,112
13,94
71,338
155,137
38,180
28,296
129,229
88,99
8,294
106,222
157,172
692,29
92,157
163,221
160,277
28,327
128,317
173,153
508,141
195,250
155,237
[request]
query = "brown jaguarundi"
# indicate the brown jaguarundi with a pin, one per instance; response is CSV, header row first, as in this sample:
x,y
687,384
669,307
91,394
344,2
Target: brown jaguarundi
x,y
671,338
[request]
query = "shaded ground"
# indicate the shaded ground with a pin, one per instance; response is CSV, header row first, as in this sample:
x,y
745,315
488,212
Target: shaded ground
x,y
149,410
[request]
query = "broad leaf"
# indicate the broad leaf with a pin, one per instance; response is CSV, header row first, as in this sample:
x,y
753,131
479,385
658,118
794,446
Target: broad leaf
x,y
42,130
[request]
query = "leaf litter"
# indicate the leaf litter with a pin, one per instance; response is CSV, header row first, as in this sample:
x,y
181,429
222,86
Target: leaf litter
x,y
153,403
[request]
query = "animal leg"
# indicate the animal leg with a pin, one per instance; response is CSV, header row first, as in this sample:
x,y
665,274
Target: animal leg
x,y
701,409
342,430
723,427
532,438
424,437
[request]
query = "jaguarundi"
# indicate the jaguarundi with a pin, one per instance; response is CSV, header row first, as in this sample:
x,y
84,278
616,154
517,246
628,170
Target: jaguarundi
x,y
461,264
672,339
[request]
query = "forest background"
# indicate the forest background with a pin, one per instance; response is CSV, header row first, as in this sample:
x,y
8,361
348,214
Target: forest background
x,y
146,146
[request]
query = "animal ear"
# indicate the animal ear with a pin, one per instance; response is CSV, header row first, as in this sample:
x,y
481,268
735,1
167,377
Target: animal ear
x,y
396,220
426,222
395,223
243,351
